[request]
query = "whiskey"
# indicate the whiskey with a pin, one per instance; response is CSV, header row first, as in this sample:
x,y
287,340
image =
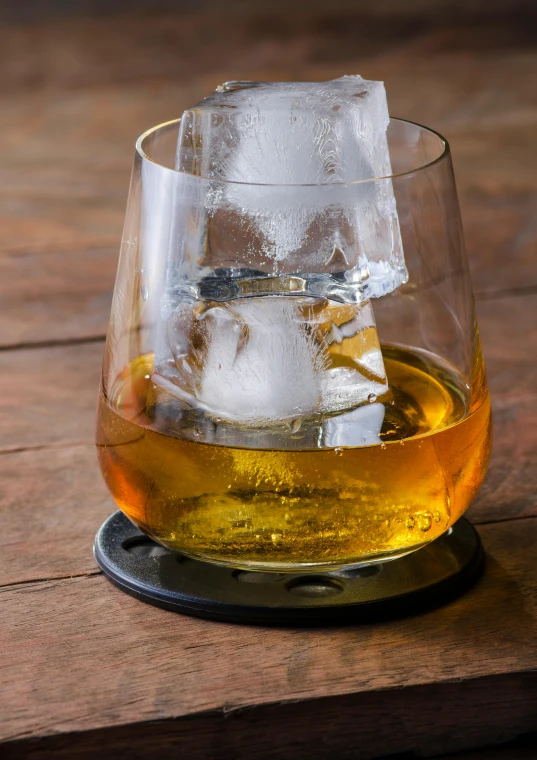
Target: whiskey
x,y
282,499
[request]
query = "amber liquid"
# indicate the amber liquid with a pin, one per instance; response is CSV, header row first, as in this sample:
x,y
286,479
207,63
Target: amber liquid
x,y
298,506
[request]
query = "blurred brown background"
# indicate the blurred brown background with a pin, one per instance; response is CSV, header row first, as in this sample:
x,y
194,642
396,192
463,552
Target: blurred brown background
x,y
85,666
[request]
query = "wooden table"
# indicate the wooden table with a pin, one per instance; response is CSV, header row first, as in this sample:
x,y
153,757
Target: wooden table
x,y
85,668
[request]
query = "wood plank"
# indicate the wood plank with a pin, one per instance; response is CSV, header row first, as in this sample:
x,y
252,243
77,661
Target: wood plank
x,y
86,167
86,667
51,504
508,327
40,138
431,717
123,662
49,395
510,487
50,295
496,174
500,230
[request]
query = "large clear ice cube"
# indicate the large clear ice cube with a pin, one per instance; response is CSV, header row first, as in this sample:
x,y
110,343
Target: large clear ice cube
x,y
296,242
261,360
264,139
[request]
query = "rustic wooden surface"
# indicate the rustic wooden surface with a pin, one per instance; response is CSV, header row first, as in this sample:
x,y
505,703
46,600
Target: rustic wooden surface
x,y
84,668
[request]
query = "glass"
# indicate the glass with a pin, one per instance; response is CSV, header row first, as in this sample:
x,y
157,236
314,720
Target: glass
x,y
382,461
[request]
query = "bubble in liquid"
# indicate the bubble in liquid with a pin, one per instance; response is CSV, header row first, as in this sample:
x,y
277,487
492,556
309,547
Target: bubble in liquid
x,y
410,523
372,398
295,425
437,516
425,520
338,452
276,537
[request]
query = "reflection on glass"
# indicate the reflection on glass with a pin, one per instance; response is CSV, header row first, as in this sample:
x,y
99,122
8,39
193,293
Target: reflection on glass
x,y
263,415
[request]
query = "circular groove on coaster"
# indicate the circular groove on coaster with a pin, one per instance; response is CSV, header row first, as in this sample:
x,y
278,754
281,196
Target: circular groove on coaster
x,y
427,578
247,576
314,587
143,546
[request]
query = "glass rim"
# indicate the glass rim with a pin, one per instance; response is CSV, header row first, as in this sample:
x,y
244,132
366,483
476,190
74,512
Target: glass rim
x,y
446,151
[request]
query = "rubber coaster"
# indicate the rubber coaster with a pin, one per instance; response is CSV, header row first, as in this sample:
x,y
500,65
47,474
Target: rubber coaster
x,y
420,581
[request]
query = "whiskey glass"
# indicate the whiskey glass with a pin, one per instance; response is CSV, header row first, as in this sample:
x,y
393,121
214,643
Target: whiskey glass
x,y
210,435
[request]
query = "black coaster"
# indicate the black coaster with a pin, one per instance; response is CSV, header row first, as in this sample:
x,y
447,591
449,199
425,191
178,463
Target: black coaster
x,y
415,583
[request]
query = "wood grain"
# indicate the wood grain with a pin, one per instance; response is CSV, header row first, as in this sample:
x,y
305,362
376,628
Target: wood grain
x,y
69,141
508,327
55,294
49,395
348,728
95,51
51,504
501,239
510,487
123,662
88,671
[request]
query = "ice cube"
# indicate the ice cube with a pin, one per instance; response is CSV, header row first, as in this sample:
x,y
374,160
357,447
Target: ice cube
x,y
359,427
354,370
260,363
293,157
264,360
264,138
250,361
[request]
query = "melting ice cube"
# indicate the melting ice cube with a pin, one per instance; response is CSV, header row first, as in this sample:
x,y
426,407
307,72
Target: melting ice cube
x,y
259,362
264,138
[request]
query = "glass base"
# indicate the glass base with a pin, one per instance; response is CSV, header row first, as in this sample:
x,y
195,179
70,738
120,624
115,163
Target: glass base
x,y
417,582
309,568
